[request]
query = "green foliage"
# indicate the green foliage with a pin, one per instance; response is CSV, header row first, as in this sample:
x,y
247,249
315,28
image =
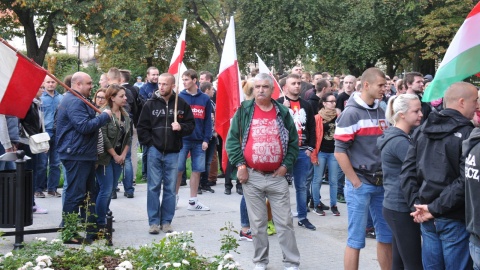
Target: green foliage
x,y
229,240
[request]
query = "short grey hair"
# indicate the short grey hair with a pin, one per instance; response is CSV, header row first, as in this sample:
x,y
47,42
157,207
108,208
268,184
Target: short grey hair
x,y
398,104
264,77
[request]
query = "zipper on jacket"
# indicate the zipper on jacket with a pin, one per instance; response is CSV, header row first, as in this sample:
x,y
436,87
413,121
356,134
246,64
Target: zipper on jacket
x,y
166,126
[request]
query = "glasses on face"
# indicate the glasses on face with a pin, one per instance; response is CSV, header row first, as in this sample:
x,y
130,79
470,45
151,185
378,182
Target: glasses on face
x,y
100,97
331,101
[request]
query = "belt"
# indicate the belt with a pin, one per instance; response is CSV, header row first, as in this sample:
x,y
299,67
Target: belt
x,y
263,172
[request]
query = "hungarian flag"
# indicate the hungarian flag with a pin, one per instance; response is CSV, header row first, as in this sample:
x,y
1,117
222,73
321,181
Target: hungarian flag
x,y
229,91
264,69
19,82
462,58
177,57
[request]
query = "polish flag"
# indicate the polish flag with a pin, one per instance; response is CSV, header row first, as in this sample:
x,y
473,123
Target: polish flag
x,y
177,57
19,82
229,91
262,68
462,58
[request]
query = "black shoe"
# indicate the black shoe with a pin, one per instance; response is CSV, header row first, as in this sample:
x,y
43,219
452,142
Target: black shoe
x,y
222,175
183,183
114,195
128,195
199,191
306,224
323,206
207,188
228,191
240,190
335,211
212,183
310,204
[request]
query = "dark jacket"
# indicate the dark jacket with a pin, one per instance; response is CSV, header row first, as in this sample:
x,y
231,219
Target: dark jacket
x,y
32,122
471,152
110,134
431,171
394,144
77,129
314,102
308,139
155,124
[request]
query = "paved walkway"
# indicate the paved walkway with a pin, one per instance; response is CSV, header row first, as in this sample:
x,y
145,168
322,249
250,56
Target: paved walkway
x,y
320,249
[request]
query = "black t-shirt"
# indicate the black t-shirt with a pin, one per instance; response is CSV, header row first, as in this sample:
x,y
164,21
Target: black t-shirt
x,y
342,101
328,143
121,126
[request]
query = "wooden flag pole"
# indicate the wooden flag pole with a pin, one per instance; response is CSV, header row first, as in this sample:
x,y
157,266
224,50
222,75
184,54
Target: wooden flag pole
x,y
51,76
177,93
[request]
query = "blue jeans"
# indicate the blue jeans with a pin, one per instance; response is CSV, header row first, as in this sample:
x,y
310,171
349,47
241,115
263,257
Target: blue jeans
x,y
325,159
475,254
6,165
162,169
49,160
308,183
212,147
244,220
81,180
144,160
106,177
360,201
445,244
197,156
127,178
300,173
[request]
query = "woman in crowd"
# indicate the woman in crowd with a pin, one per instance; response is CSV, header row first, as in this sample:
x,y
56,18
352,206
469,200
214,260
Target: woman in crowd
x,y
404,112
99,98
323,155
117,139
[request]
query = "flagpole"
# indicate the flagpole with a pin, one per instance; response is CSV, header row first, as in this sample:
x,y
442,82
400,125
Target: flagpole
x,y
51,75
176,96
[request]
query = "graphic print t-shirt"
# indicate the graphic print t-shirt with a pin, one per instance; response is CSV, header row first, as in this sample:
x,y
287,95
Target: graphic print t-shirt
x,y
263,150
299,116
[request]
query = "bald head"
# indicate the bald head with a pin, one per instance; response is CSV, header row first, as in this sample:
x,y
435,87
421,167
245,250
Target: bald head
x,y
462,96
169,77
82,82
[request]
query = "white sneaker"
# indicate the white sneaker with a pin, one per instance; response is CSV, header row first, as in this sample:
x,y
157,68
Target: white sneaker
x,y
176,202
39,210
294,214
198,206
260,266
291,268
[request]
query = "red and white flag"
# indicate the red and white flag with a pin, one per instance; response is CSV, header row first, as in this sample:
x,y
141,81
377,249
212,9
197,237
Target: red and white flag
x,y
19,82
229,90
177,57
262,68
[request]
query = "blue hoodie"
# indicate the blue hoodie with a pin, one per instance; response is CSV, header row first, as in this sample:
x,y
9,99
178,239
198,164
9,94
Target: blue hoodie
x,y
202,112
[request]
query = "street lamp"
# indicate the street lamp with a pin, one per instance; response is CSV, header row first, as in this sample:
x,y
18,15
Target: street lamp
x,y
155,54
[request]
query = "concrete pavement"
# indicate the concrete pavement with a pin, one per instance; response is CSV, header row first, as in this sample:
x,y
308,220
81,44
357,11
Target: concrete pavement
x,y
320,249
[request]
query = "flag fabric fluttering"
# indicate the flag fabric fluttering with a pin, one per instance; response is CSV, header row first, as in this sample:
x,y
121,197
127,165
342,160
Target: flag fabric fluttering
x,y
19,82
177,57
229,91
461,60
262,68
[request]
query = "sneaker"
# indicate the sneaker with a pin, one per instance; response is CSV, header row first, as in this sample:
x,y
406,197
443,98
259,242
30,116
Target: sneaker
x,y
341,198
128,195
323,206
167,228
39,210
306,224
240,190
271,228
291,268
246,235
53,194
371,233
154,229
114,195
228,191
39,194
207,188
198,206
335,211
199,191
319,211
176,201
260,266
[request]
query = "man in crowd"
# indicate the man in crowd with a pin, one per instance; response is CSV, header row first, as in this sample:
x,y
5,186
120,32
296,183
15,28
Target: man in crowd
x,y
76,137
259,124
304,120
207,88
348,88
431,179
358,128
414,83
163,137
322,87
50,101
298,70
197,142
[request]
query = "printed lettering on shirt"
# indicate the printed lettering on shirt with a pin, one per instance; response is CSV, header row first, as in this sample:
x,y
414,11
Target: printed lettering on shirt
x,y
265,147
470,171
198,111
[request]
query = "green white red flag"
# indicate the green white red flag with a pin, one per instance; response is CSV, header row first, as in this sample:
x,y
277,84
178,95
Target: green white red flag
x,y
462,58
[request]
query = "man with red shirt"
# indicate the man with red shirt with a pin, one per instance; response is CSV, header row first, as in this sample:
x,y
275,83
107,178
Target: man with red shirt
x,y
263,144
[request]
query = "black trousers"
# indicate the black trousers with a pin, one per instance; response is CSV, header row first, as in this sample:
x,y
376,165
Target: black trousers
x,y
228,177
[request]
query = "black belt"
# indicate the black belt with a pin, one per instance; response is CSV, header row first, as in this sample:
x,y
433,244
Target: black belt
x,y
263,172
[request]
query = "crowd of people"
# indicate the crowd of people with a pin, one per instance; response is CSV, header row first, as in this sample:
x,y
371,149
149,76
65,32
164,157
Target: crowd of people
x,y
397,162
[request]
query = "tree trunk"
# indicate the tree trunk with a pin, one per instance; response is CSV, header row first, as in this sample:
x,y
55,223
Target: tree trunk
x,y
213,37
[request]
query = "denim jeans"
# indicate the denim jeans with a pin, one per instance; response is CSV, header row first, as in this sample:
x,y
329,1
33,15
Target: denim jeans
x,y
49,160
144,160
197,156
475,254
325,159
162,169
81,180
308,183
445,244
212,147
244,221
127,178
300,174
106,177
6,165
360,201
341,183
